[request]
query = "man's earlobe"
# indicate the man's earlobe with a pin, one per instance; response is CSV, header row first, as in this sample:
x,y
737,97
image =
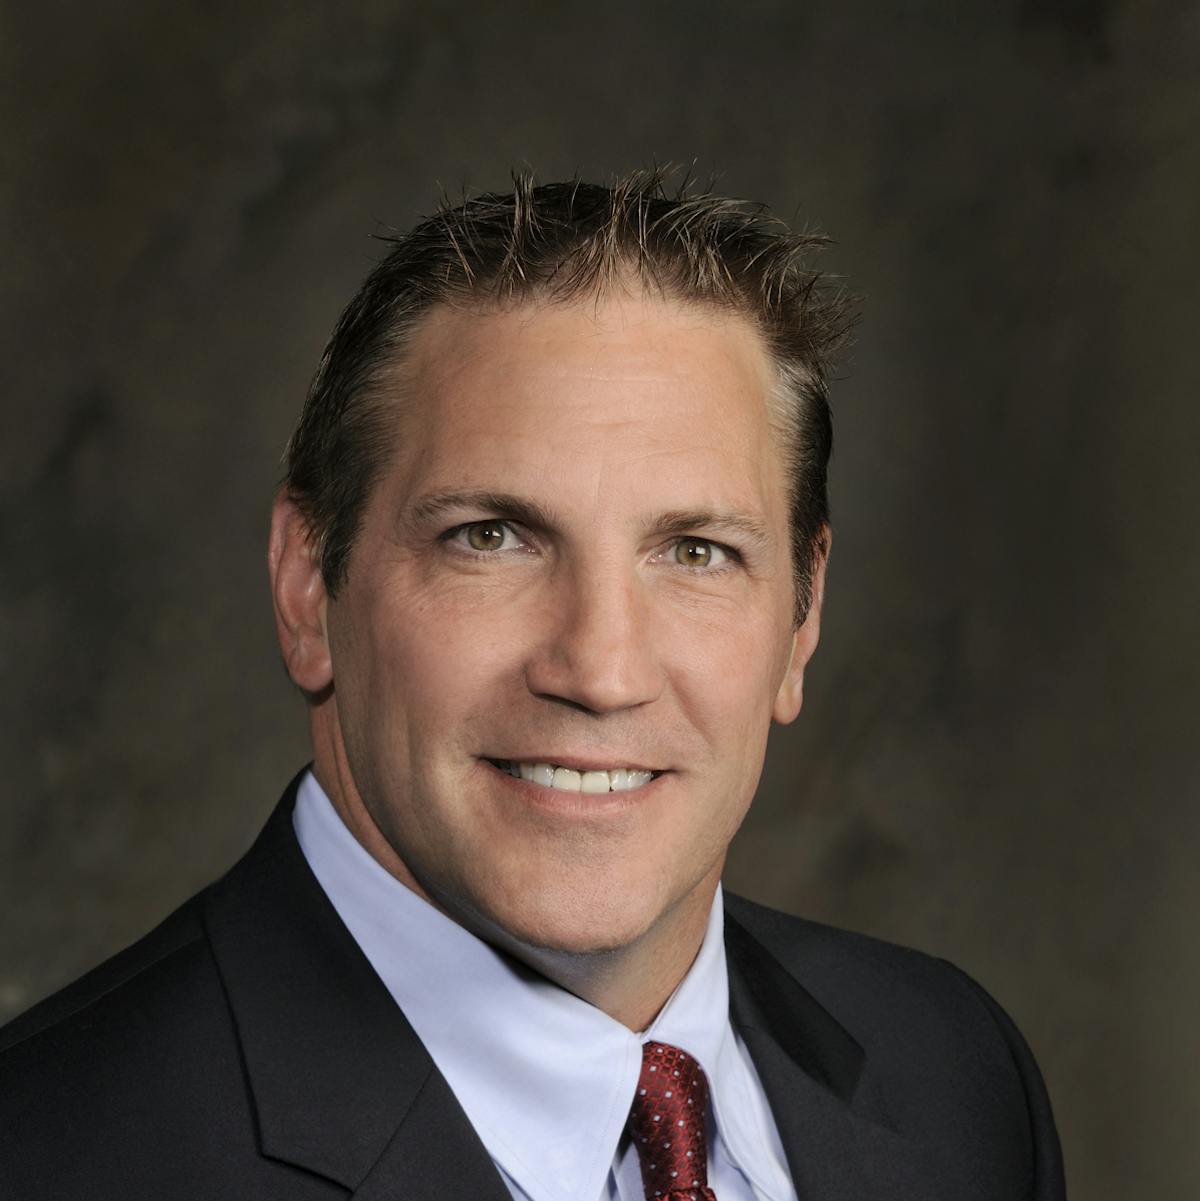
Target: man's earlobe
x,y
299,596
790,697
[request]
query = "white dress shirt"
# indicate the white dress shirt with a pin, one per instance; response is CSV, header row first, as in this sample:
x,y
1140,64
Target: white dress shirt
x,y
546,1079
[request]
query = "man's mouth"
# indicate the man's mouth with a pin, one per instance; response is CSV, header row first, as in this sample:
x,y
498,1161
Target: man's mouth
x,y
568,779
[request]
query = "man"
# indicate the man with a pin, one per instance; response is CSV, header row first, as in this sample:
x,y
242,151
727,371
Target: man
x,y
549,558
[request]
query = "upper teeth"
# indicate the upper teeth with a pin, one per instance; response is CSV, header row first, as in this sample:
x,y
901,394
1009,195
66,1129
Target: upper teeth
x,y
617,780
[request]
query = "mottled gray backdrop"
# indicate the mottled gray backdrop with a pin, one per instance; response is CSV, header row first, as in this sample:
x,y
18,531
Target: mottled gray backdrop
x,y
997,762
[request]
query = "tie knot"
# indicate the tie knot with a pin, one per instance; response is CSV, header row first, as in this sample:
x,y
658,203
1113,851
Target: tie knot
x,y
667,1125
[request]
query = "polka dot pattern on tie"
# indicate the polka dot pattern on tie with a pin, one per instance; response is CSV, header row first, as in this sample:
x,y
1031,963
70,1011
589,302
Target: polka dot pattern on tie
x,y
666,1124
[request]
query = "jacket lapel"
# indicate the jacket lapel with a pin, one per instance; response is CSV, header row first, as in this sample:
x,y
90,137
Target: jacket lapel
x,y
434,1153
341,1084
813,1073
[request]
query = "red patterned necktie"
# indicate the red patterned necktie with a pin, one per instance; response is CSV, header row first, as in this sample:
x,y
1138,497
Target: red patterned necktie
x,y
667,1125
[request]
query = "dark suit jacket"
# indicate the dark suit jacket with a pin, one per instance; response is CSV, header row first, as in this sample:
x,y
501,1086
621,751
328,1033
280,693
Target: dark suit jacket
x,y
246,1049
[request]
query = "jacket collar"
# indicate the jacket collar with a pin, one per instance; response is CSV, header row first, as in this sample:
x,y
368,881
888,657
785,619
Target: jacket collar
x,y
765,998
815,1076
341,1084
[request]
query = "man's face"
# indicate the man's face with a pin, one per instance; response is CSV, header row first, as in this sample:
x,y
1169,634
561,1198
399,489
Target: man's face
x,y
577,557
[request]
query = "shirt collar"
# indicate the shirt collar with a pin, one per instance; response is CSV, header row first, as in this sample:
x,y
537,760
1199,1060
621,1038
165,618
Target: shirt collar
x,y
500,1033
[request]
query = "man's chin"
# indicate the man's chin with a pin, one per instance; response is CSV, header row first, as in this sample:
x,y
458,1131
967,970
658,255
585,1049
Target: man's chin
x,y
557,929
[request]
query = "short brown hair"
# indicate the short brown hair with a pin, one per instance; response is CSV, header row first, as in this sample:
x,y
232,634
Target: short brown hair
x,y
560,242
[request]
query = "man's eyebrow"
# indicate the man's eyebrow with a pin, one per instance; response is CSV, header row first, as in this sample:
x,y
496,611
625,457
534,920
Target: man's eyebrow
x,y
692,521
494,504
531,514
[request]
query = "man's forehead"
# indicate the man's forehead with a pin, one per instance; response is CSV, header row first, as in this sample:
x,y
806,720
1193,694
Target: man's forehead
x,y
633,404
615,337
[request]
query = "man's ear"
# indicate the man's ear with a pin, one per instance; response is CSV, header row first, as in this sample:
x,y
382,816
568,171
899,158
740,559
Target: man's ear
x,y
298,592
790,696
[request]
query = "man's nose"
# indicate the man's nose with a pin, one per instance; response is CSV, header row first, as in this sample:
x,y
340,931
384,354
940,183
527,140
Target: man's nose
x,y
598,652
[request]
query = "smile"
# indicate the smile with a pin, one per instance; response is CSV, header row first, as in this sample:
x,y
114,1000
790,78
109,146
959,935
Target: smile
x,y
567,779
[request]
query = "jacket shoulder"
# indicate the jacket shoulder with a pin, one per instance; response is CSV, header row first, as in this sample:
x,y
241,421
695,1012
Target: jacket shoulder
x,y
876,989
140,1052
941,1053
840,957
71,1004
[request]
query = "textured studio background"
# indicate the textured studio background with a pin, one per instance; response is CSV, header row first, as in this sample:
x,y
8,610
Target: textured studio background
x,y
997,762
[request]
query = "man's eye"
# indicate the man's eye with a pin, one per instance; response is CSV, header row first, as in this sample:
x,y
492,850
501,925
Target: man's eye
x,y
698,552
488,535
